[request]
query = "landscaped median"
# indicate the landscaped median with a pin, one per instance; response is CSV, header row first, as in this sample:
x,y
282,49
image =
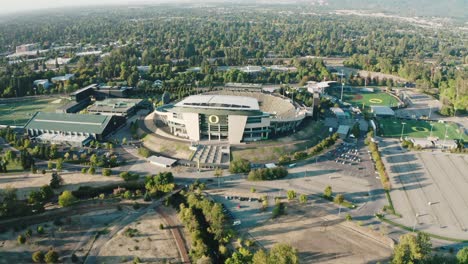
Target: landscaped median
x,y
380,167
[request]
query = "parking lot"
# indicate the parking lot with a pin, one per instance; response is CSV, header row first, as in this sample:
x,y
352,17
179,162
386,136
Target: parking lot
x,y
429,189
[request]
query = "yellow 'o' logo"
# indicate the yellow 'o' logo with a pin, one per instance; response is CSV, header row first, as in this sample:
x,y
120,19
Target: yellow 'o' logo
x,y
214,119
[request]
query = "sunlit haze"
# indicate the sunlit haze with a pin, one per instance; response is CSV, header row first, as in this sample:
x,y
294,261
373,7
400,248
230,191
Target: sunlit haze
x,y
10,6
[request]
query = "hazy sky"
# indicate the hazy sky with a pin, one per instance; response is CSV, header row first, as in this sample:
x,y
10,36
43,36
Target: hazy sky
x,y
14,6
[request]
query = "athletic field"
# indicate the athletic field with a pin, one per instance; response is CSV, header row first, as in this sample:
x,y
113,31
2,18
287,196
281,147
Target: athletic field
x,y
16,112
355,97
418,129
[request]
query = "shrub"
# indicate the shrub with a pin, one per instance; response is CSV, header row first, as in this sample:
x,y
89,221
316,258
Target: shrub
x,y
348,217
161,226
136,260
339,199
239,166
278,210
66,199
84,170
303,198
38,257
327,193
127,195
91,170
51,257
40,230
127,176
21,239
291,195
284,159
106,172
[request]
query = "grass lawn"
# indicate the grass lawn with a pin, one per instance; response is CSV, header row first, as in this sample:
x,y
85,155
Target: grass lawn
x,y
357,98
19,112
308,135
418,129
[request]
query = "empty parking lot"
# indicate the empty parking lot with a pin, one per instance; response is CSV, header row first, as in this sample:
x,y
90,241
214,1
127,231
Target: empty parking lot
x,y
429,189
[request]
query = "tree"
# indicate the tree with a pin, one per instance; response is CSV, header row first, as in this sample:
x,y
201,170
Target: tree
x,y
339,199
327,193
239,166
66,199
412,249
462,256
260,257
46,192
106,172
56,181
50,165
291,195
91,170
283,254
51,257
356,130
303,198
38,257
59,165
348,217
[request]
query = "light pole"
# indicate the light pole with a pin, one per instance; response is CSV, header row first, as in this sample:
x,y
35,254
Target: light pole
x,y
402,129
342,86
415,222
432,125
445,136
430,111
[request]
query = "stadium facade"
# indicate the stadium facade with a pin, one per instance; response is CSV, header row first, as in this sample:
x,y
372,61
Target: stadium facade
x,y
230,116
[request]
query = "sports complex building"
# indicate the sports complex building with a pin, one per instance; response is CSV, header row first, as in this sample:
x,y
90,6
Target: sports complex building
x,y
231,116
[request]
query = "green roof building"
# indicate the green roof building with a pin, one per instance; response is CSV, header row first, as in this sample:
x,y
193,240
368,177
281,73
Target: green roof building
x,y
94,126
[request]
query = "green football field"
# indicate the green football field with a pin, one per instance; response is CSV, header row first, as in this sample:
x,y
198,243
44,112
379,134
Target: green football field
x,y
17,113
357,98
419,129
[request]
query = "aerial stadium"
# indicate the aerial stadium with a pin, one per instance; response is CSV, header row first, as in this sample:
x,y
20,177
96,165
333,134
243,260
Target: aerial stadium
x,y
231,116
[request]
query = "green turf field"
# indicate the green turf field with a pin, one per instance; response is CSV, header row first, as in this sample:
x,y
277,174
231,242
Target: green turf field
x,y
418,129
357,98
17,113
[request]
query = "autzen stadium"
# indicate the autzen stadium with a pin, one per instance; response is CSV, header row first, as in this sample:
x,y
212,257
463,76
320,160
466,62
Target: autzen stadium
x,y
231,116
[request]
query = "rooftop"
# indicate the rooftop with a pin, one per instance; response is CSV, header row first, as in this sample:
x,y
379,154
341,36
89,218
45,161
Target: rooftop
x,y
382,110
160,160
114,105
92,124
220,102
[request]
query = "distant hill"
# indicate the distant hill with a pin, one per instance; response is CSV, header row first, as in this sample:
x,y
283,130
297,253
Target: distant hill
x,y
440,8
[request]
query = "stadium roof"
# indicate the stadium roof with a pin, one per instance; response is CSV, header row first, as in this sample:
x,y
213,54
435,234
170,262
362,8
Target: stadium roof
x,y
227,102
92,124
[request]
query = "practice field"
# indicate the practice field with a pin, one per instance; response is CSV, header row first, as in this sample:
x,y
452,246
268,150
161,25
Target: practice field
x,y
355,97
18,112
419,129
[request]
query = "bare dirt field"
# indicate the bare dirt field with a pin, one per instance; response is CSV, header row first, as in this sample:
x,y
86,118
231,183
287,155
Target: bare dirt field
x,y
82,234
323,239
149,243
26,182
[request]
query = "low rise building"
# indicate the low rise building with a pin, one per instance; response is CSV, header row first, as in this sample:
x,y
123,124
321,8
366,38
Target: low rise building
x,y
96,127
116,106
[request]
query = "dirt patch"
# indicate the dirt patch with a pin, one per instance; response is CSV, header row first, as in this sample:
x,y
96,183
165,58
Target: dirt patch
x,y
319,240
149,243
25,183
